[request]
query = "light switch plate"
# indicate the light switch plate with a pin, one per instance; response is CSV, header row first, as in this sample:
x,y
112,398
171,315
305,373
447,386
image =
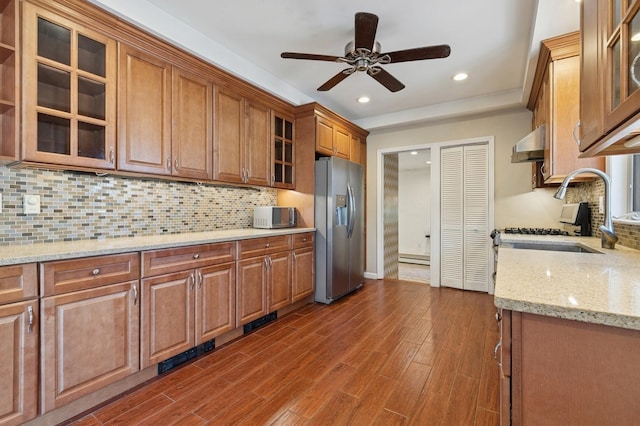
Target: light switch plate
x,y
31,204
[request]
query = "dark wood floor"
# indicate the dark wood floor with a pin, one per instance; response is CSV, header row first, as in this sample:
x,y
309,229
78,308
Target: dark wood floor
x,y
394,353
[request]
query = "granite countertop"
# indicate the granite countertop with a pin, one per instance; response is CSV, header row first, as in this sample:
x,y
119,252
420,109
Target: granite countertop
x,y
598,288
41,252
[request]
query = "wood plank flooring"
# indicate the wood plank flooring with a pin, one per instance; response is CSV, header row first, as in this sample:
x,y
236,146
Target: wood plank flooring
x,y
394,353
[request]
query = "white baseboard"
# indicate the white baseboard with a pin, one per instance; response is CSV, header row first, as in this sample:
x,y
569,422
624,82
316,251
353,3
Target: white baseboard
x,y
371,276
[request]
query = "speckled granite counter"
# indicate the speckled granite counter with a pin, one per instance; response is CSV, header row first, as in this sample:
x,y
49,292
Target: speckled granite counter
x,y
12,255
597,288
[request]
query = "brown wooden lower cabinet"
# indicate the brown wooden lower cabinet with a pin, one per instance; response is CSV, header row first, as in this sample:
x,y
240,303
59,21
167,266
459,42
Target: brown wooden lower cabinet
x,y
303,275
251,290
18,362
89,340
572,372
215,302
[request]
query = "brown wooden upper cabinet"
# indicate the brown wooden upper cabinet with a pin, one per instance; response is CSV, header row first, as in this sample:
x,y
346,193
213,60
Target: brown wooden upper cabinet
x,y
554,101
242,139
9,89
69,92
283,151
331,134
164,117
610,99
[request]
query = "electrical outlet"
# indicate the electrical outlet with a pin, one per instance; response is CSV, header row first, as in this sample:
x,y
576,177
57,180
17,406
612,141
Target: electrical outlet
x,y
31,204
601,204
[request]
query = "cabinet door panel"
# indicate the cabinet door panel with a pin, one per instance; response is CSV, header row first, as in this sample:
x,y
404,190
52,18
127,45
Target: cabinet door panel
x,y
251,289
215,302
192,139
228,136
144,113
303,274
167,317
18,363
90,339
342,142
324,136
279,280
258,141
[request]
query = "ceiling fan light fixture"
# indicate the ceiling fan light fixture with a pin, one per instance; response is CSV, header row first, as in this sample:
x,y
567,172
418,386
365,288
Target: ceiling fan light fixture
x,y
460,76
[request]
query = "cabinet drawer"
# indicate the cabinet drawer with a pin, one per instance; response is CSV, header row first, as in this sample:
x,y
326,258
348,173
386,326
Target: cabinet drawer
x,y
18,282
79,274
164,261
303,240
262,246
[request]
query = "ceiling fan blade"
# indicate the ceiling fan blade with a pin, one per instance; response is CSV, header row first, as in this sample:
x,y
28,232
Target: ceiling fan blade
x,y
309,56
386,79
419,53
333,81
365,30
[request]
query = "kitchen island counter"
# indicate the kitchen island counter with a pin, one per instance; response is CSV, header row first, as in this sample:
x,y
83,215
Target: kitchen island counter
x,y
590,287
42,252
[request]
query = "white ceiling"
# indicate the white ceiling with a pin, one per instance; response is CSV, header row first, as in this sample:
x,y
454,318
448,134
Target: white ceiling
x,y
495,41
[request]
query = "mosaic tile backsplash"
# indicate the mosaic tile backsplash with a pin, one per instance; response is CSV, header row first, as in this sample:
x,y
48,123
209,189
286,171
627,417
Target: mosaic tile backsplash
x,y
628,234
80,206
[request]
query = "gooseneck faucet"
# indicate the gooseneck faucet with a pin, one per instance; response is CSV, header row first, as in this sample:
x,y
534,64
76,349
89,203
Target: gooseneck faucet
x,y
608,237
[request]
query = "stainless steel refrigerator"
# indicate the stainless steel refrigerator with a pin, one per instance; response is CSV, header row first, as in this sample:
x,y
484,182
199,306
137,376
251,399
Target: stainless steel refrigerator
x,y
339,220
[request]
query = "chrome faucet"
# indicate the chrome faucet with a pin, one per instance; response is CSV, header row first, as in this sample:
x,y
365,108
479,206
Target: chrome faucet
x,y
608,237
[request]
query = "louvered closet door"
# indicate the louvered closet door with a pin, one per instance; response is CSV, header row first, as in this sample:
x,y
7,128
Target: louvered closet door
x,y
451,217
476,218
464,215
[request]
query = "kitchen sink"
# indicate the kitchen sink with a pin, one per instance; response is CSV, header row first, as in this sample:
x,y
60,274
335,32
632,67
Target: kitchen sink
x,y
569,247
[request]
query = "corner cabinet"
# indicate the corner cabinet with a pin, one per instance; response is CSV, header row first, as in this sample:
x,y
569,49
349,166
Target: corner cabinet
x,y
554,101
9,89
69,92
610,95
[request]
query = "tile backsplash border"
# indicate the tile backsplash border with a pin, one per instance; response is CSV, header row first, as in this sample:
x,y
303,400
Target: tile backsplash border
x,y
81,206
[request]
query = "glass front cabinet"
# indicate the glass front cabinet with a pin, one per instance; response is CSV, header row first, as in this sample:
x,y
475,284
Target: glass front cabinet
x,y
283,152
69,92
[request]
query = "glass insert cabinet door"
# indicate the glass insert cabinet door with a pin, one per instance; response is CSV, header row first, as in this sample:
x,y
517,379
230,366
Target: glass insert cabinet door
x,y
283,155
69,92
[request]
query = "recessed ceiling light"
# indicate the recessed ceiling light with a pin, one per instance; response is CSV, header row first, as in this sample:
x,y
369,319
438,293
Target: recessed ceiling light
x,y
460,76
363,99
414,152
635,37
428,162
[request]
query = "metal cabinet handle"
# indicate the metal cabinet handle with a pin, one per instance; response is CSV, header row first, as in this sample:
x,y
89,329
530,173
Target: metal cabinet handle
x,y
495,352
266,264
200,279
112,158
176,165
96,271
135,294
575,136
273,180
498,317
542,169
270,262
196,256
193,280
30,314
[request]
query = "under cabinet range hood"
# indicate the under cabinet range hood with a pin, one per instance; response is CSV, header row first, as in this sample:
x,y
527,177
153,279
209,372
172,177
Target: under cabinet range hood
x,y
530,148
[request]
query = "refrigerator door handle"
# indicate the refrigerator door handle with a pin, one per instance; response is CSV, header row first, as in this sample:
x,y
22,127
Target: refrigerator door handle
x,y
352,211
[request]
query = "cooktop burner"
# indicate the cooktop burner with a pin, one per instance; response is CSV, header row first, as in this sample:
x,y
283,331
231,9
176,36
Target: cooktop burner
x,y
536,231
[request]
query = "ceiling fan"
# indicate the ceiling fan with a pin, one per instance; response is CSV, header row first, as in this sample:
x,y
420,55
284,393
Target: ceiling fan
x,y
363,54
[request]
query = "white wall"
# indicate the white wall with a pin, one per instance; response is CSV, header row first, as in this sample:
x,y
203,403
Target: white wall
x,y
414,211
515,203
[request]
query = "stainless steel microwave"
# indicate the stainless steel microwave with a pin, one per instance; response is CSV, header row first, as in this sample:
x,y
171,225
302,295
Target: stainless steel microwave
x,y
270,217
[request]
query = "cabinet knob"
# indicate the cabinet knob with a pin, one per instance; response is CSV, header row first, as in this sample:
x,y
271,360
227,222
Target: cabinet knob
x,y
267,245
196,256
304,240
95,271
